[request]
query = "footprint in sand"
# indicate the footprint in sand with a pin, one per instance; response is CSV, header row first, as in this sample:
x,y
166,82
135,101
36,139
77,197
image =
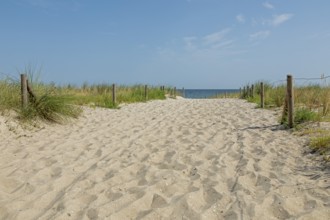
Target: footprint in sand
x,y
158,202
56,172
278,209
109,175
210,195
112,195
98,153
92,214
263,183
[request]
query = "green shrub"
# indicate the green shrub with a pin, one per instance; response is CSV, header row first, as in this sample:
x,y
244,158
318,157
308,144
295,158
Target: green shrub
x,y
303,115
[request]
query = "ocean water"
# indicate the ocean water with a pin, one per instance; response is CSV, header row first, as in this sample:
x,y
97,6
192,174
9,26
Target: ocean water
x,y
205,93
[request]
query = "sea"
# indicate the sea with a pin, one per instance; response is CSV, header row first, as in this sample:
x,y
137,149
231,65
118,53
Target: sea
x,y
205,93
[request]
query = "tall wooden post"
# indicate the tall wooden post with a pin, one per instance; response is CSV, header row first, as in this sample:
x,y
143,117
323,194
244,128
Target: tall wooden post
x,y
252,91
114,94
146,92
24,91
247,91
290,100
262,95
174,92
32,97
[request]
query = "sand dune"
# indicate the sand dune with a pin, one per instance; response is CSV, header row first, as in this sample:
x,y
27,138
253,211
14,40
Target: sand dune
x,y
173,159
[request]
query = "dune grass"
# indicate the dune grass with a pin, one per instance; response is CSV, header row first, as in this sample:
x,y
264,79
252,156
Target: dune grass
x,y
59,103
309,100
311,105
10,94
49,104
100,95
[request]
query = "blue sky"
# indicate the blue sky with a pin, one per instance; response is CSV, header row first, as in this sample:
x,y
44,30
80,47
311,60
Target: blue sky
x,y
183,43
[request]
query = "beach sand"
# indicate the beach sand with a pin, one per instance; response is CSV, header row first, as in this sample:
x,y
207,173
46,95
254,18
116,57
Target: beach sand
x,y
170,159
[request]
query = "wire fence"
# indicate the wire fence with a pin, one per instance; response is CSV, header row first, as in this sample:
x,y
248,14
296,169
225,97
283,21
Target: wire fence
x,y
312,93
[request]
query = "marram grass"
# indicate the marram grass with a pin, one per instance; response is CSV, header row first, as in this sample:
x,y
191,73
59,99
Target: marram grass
x,y
321,144
59,103
51,108
312,102
101,95
9,94
311,105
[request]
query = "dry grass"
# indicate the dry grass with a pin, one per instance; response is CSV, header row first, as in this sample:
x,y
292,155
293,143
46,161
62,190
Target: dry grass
x,y
57,103
311,106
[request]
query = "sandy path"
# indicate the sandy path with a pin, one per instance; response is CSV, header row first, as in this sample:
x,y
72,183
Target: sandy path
x,y
173,159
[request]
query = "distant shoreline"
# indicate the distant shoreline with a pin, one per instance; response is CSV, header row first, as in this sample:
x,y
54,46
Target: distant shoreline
x,y
205,93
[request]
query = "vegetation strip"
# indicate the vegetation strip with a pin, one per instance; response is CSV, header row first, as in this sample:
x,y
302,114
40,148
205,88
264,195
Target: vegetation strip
x,y
311,108
59,103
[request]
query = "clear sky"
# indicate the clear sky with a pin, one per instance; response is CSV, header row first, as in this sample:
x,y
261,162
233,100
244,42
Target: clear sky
x,y
183,43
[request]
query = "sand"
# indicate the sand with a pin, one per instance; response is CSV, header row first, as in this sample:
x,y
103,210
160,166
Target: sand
x,y
172,159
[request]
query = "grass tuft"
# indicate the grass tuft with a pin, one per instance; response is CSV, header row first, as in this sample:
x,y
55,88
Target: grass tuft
x,y
304,115
321,144
50,108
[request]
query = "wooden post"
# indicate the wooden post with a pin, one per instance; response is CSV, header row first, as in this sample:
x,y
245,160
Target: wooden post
x,y
174,92
243,95
146,92
285,109
252,91
114,94
183,93
32,96
24,91
262,95
247,91
290,101
240,92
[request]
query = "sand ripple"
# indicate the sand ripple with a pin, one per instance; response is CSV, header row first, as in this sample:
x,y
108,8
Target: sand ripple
x,y
173,159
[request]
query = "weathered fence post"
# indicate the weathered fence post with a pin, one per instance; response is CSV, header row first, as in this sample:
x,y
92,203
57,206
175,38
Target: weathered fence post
x,y
247,91
252,91
32,96
240,92
146,92
183,92
290,100
174,92
114,94
24,91
262,95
